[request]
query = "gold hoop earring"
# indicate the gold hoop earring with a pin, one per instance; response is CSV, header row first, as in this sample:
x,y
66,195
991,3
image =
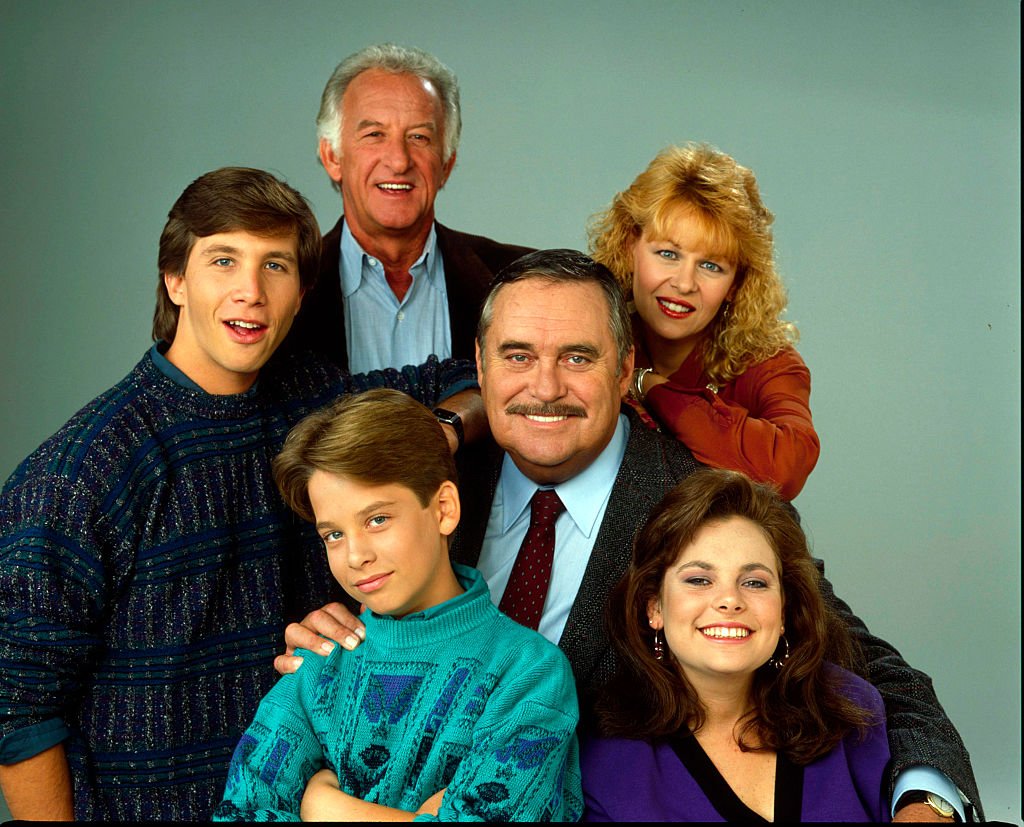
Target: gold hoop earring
x,y
778,663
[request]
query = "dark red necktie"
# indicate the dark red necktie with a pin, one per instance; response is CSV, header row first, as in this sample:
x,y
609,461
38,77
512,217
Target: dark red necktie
x,y
527,587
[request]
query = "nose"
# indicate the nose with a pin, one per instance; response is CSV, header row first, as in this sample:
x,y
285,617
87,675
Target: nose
x,y
249,286
729,600
685,278
359,552
397,154
547,381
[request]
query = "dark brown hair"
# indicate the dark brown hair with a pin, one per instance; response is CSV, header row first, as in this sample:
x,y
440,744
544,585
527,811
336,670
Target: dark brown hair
x,y
223,201
378,437
798,709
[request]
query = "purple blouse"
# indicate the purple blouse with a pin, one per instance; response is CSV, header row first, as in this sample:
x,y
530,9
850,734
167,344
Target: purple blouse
x,y
674,780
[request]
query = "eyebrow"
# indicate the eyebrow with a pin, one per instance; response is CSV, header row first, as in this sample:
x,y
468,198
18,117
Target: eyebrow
x,y
744,569
365,512
374,506
234,251
366,123
579,347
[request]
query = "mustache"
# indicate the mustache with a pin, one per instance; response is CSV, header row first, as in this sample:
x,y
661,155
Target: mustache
x,y
522,409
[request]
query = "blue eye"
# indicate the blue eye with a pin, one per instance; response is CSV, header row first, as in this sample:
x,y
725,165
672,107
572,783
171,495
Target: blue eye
x,y
332,536
697,581
377,520
668,255
756,584
223,262
711,266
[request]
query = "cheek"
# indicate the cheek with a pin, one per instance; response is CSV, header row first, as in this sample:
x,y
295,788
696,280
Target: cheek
x,y
335,560
642,279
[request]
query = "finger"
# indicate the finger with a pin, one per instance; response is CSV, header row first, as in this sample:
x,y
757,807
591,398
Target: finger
x,y
287,664
297,636
340,614
318,633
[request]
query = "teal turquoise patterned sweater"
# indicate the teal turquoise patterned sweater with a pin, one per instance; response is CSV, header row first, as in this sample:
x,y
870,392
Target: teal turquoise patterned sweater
x,y
147,570
459,696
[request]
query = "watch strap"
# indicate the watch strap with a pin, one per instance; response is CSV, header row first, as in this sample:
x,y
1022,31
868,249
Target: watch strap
x,y
453,419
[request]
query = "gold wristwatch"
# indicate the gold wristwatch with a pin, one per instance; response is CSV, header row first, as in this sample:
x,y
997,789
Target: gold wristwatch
x,y
939,805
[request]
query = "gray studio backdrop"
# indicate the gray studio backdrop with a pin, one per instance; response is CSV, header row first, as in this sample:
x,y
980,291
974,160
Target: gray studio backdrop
x,y
885,137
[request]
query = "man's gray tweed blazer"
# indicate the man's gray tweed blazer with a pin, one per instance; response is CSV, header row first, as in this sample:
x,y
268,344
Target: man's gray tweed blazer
x,y
919,731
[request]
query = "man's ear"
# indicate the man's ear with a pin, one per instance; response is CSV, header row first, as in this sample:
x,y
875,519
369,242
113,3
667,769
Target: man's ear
x,y
626,375
479,360
449,165
175,284
449,507
330,159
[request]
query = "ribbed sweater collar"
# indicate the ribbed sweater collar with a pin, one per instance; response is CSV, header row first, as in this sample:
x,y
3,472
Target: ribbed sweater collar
x,y
461,615
194,402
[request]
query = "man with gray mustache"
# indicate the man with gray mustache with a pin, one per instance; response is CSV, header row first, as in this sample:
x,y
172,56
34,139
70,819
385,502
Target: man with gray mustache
x,y
554,357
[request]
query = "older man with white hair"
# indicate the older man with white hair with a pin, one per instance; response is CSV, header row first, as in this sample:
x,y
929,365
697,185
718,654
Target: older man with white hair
x,y
394,284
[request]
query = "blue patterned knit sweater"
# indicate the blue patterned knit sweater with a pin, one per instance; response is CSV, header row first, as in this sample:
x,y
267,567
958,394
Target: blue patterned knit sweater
x,y
459,696
147,569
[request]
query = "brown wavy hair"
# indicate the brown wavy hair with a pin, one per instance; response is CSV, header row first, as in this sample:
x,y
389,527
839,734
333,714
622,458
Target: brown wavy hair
x,y
798,710
723,196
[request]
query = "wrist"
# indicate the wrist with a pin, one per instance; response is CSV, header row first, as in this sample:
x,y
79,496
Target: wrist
x,y
937,804
636,387
451,418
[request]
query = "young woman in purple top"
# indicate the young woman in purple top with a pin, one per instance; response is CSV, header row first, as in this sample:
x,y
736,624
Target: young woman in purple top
x,y
724,708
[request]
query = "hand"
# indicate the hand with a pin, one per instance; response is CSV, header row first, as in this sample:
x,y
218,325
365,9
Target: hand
x,y
919,812
432,804
316,632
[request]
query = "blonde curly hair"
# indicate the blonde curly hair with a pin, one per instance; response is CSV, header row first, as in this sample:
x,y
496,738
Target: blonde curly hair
x,y
707,184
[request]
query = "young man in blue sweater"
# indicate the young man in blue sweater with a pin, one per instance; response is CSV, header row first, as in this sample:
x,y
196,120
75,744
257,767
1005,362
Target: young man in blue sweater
x,y
147,563
449,710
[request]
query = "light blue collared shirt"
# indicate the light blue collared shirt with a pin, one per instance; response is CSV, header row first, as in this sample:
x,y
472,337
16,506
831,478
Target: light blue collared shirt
x,y
585,497
382,332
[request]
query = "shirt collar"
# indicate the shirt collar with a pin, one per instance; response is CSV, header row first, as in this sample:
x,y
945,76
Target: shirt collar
x,y
170,370
353,257
583,496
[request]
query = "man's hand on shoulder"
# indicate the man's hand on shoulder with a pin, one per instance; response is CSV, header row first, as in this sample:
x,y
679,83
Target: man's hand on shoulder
x,y
319,632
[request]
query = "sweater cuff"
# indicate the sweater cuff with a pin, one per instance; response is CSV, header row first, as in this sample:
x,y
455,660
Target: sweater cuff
x,y
32,740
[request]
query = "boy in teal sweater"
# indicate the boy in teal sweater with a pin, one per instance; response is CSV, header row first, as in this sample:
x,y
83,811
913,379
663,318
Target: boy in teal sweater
x,y
449,710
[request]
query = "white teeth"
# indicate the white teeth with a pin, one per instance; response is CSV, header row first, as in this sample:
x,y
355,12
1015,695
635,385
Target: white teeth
x,y
246,325
395,186
723,631
539,418
676,308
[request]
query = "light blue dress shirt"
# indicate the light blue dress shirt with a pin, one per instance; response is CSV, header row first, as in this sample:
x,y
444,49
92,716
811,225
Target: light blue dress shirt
x,y
382,332
585,497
